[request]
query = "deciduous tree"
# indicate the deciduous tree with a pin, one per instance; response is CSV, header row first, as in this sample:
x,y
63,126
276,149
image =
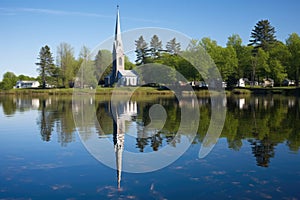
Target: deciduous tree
x,y
103,64
66,62
293,44
9,81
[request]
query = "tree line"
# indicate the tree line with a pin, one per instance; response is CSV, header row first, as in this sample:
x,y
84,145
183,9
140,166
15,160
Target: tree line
x,y
263,57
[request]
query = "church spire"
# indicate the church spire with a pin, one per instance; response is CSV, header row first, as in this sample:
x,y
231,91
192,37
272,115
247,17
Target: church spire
x,y
118,53
118,27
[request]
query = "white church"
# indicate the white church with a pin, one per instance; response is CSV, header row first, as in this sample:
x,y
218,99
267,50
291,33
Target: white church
x,y
119,75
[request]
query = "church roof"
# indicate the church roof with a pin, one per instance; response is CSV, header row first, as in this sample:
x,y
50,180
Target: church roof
x,y
130,73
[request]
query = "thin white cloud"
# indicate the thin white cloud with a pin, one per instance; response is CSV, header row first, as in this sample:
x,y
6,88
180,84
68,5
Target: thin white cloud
x,y
14,11
51,12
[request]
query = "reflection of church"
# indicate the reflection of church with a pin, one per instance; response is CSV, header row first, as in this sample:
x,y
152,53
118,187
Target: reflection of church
x,y
122,111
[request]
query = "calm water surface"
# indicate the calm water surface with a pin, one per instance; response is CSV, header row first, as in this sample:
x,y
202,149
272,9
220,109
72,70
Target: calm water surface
x,y
256,157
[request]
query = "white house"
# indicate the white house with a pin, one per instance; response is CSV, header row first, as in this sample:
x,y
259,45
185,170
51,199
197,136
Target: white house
x,y
27,84
240,83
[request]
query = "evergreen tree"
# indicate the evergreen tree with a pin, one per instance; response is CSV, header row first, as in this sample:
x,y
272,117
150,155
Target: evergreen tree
x,y
45,64
155,46
173,47
263,35
141,51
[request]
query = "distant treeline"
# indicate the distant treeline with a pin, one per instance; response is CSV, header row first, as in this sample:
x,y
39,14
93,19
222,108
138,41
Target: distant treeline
x,y
263,57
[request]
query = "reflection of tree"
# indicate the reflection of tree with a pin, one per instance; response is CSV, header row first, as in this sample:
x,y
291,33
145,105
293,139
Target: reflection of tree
x,y
104,118
8,105
292,124
268,121
65,126
56,115
45,123
141,143
263,150
155,140
84,114
277,120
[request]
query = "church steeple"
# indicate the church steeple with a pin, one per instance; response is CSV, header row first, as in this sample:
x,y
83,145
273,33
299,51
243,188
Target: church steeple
x,y
118,53
118,27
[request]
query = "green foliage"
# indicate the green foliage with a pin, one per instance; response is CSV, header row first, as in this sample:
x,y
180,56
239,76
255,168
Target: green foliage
x,y
261,59
181,65
142,51
293,44
155,47
263,35
9,81
103,64
25,78
157,73
45,65
173,47
86,74
279,61
67,64
128,65
199,59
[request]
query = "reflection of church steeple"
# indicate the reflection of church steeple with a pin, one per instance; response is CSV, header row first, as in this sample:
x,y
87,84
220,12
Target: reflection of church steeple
x,y
122,111
119,146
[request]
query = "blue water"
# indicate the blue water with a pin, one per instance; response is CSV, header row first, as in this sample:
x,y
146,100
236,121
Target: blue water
x,y
31,168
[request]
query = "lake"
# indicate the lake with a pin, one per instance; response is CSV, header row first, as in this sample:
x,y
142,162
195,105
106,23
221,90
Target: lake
x,y
51,148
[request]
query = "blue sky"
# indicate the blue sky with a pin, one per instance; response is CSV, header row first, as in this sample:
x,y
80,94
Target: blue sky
x,y
27,25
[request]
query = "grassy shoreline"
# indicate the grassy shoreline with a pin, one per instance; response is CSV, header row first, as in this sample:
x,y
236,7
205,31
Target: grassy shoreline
x,y
146,91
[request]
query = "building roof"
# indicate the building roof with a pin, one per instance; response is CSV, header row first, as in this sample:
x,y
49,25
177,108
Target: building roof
x,y
26,81
127,73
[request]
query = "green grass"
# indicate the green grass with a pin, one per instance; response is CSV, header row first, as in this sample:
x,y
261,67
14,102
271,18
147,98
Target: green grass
x,y
142,92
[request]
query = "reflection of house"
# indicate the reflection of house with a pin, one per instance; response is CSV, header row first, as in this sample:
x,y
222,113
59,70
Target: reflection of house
x,y
119,74
27,84
29,103
241,103
122,112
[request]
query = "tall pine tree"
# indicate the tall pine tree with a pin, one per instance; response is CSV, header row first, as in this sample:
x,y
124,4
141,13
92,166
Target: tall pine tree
x,y
263,35
45,65
155,46
173,47
141,51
